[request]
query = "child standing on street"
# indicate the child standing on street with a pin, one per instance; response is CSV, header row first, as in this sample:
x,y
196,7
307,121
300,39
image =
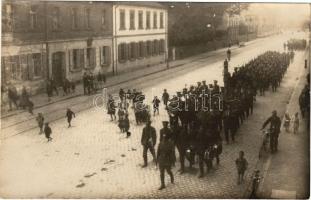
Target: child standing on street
x,y
69,115
40,120
296,123
241,165
48,132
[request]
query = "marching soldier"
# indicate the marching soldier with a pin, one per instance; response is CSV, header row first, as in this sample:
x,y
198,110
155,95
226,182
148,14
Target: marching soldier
x,y
182,141
165,131
148,140
165,157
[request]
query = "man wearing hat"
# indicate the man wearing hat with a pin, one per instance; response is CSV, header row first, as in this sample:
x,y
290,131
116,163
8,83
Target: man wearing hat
x,y
165,97
48,132
275,125
148,140
165,131
216,87
165,157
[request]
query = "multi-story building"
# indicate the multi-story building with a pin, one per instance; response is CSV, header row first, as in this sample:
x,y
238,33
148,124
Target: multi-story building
x,y
48,39
44,39
140,35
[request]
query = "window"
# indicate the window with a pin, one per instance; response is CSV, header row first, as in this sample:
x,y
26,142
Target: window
x,y
141,49
122,20
132,51
76,60
55,19
155,20
148,20
33,17
7,18
37,64
74,18
122,52
132,19
105,55
149,48
103,19
15,68
161,20
140,20
88,18
90,58
162,46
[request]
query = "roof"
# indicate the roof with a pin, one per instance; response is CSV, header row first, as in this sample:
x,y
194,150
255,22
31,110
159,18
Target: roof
x,y
141,3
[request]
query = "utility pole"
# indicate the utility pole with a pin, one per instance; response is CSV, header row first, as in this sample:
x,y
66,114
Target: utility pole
x,y
47,65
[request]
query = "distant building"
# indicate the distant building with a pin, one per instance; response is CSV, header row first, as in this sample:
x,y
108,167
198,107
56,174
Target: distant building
x,y
140,35
231,23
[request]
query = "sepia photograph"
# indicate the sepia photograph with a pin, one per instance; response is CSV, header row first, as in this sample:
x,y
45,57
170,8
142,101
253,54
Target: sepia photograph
x,y
155,99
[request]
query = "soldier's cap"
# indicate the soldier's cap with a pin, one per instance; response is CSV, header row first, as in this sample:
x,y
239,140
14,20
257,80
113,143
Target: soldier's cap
x,y
215,81
165,122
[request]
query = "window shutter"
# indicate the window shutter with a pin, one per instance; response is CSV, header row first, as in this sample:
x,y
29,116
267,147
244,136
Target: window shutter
x,y
127,51
100,55
119,52
30,67
24,67
136,50
81,61
107,55
145,49
70,57
44,65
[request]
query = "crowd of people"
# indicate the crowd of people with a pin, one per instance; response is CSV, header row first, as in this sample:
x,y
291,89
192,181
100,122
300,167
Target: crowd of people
x,y
198,114
92,82
295,44
19,101
304,101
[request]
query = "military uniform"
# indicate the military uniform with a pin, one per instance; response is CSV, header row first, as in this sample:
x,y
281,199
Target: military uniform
x,y
148,140
165,157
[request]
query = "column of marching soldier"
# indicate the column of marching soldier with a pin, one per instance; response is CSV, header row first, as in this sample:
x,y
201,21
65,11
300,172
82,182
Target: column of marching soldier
x,y
197,114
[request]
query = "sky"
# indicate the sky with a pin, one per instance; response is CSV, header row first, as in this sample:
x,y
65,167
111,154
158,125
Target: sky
x,y
287,13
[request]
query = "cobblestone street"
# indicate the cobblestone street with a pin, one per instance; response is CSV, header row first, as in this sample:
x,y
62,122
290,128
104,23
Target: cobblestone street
x,y
94,160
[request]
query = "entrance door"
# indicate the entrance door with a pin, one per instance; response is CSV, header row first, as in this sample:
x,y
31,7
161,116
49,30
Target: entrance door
x,y
58,67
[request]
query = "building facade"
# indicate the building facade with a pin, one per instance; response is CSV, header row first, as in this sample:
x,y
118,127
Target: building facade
x,y
44,39
48,39
140,35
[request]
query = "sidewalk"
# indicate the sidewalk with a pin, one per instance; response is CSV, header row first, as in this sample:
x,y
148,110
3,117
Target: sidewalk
x,y
286,173
41,99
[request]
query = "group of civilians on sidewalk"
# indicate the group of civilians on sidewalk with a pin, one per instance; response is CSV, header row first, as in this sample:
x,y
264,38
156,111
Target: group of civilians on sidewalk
x,y
20,101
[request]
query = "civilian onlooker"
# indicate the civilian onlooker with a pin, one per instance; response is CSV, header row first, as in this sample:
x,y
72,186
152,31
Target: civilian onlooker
x,y
48,131
69,116
49,90
241,165
12,95
296,123
40,120
24,100
53,85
